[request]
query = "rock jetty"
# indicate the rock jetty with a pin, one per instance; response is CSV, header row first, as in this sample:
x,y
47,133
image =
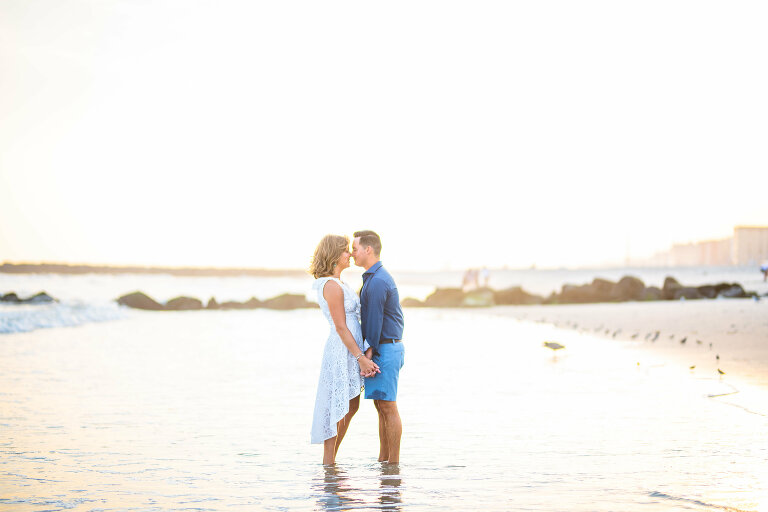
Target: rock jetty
x,y
628,288
40,298
286,301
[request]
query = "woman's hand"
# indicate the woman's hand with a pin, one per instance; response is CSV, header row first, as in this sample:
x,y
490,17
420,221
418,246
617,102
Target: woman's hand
x,y
367,367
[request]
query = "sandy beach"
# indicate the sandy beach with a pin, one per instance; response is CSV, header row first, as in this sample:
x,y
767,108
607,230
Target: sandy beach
x,y
691,333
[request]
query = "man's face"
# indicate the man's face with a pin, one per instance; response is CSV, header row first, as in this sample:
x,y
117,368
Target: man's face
x,y
358,253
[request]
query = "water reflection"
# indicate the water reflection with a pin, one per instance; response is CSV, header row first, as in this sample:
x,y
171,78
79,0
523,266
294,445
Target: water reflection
x,y
335,492
389,496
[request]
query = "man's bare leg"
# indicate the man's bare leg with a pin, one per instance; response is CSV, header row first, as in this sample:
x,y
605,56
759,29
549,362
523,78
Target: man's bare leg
x,y
383,442
394,429
343,425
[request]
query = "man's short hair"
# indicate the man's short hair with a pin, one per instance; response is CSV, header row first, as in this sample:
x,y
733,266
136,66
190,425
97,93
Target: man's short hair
x,y
370,239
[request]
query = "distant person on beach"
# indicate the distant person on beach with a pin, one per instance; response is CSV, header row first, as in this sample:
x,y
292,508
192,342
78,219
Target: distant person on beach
x,y
485,276
764,270
345,362
465,279
382,324
470,280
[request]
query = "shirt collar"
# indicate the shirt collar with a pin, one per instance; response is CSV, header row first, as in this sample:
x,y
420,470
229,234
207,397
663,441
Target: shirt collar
x,y
376,266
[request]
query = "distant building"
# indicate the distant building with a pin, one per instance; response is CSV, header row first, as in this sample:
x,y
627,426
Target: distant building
x,y
709,252
747,247
750,245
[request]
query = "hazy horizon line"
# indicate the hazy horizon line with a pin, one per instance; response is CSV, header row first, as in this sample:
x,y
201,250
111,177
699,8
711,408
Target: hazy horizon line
x,y
7,266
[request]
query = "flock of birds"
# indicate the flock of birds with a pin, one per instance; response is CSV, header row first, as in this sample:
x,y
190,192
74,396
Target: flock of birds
x,y
651,336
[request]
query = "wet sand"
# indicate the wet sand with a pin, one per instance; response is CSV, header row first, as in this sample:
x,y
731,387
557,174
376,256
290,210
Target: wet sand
x,y
691,333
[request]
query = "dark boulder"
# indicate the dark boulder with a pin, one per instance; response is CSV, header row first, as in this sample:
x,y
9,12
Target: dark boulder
x,y
629,288
231,305
515,296
410,302
707,291
140,300
577,294
183,304
671,286
652,293
719,287
40,298
253,303
10,297
212,304
445,298
603,290
288,301
733,291
687,292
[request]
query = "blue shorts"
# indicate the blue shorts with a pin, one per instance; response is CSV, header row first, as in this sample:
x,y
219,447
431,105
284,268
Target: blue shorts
x,y
383,386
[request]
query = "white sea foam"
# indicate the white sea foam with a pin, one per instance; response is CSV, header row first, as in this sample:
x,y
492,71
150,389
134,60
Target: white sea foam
x,y
29,317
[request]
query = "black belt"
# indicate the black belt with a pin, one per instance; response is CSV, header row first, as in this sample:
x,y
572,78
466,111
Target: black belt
x,y
382,342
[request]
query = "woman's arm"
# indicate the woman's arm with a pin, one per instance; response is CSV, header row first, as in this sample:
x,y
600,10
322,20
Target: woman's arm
x,y
334,296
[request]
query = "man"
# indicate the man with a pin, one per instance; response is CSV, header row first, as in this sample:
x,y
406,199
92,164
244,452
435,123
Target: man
x,y
382,322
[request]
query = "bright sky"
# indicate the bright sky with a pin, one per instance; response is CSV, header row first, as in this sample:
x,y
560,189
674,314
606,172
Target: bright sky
x,y
237,133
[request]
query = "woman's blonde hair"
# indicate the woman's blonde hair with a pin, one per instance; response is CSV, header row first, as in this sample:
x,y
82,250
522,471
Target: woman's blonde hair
x,y
328,252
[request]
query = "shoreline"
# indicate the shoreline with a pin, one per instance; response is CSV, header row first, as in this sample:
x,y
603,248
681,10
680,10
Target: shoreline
x,y
690,333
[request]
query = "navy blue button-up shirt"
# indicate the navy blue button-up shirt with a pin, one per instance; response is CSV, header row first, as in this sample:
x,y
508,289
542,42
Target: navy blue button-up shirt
x,y
382,316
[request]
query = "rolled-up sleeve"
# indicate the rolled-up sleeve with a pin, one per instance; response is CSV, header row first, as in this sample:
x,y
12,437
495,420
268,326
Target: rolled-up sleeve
x,y
376,296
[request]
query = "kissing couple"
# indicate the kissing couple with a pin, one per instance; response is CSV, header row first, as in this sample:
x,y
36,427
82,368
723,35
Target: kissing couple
x,y
364,348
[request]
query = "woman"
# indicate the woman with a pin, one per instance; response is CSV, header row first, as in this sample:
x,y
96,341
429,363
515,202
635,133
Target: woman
x,y
344,359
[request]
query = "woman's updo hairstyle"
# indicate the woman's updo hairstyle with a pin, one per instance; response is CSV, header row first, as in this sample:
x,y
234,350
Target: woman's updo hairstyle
x,y
327,253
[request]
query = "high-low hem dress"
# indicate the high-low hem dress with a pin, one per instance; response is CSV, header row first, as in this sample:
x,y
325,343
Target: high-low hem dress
x,y
340,379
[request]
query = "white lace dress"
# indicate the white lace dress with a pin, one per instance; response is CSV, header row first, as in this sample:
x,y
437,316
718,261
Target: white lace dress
x,y
340,379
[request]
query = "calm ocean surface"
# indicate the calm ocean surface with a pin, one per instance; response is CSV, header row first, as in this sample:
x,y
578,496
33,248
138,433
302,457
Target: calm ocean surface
x,y
211,410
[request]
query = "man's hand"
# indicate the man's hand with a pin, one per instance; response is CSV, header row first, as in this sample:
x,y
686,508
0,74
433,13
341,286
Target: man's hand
x,y
373,369
369,355
367,367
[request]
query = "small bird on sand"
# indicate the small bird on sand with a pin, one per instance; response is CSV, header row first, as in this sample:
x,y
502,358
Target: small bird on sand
x,y
717,357
682,341
721,372
553,345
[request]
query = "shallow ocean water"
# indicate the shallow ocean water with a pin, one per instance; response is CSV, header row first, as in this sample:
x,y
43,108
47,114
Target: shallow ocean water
x,y
211,410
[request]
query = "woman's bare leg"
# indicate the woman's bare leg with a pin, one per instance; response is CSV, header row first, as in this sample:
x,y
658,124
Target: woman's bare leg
x,y
329,450
343,425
